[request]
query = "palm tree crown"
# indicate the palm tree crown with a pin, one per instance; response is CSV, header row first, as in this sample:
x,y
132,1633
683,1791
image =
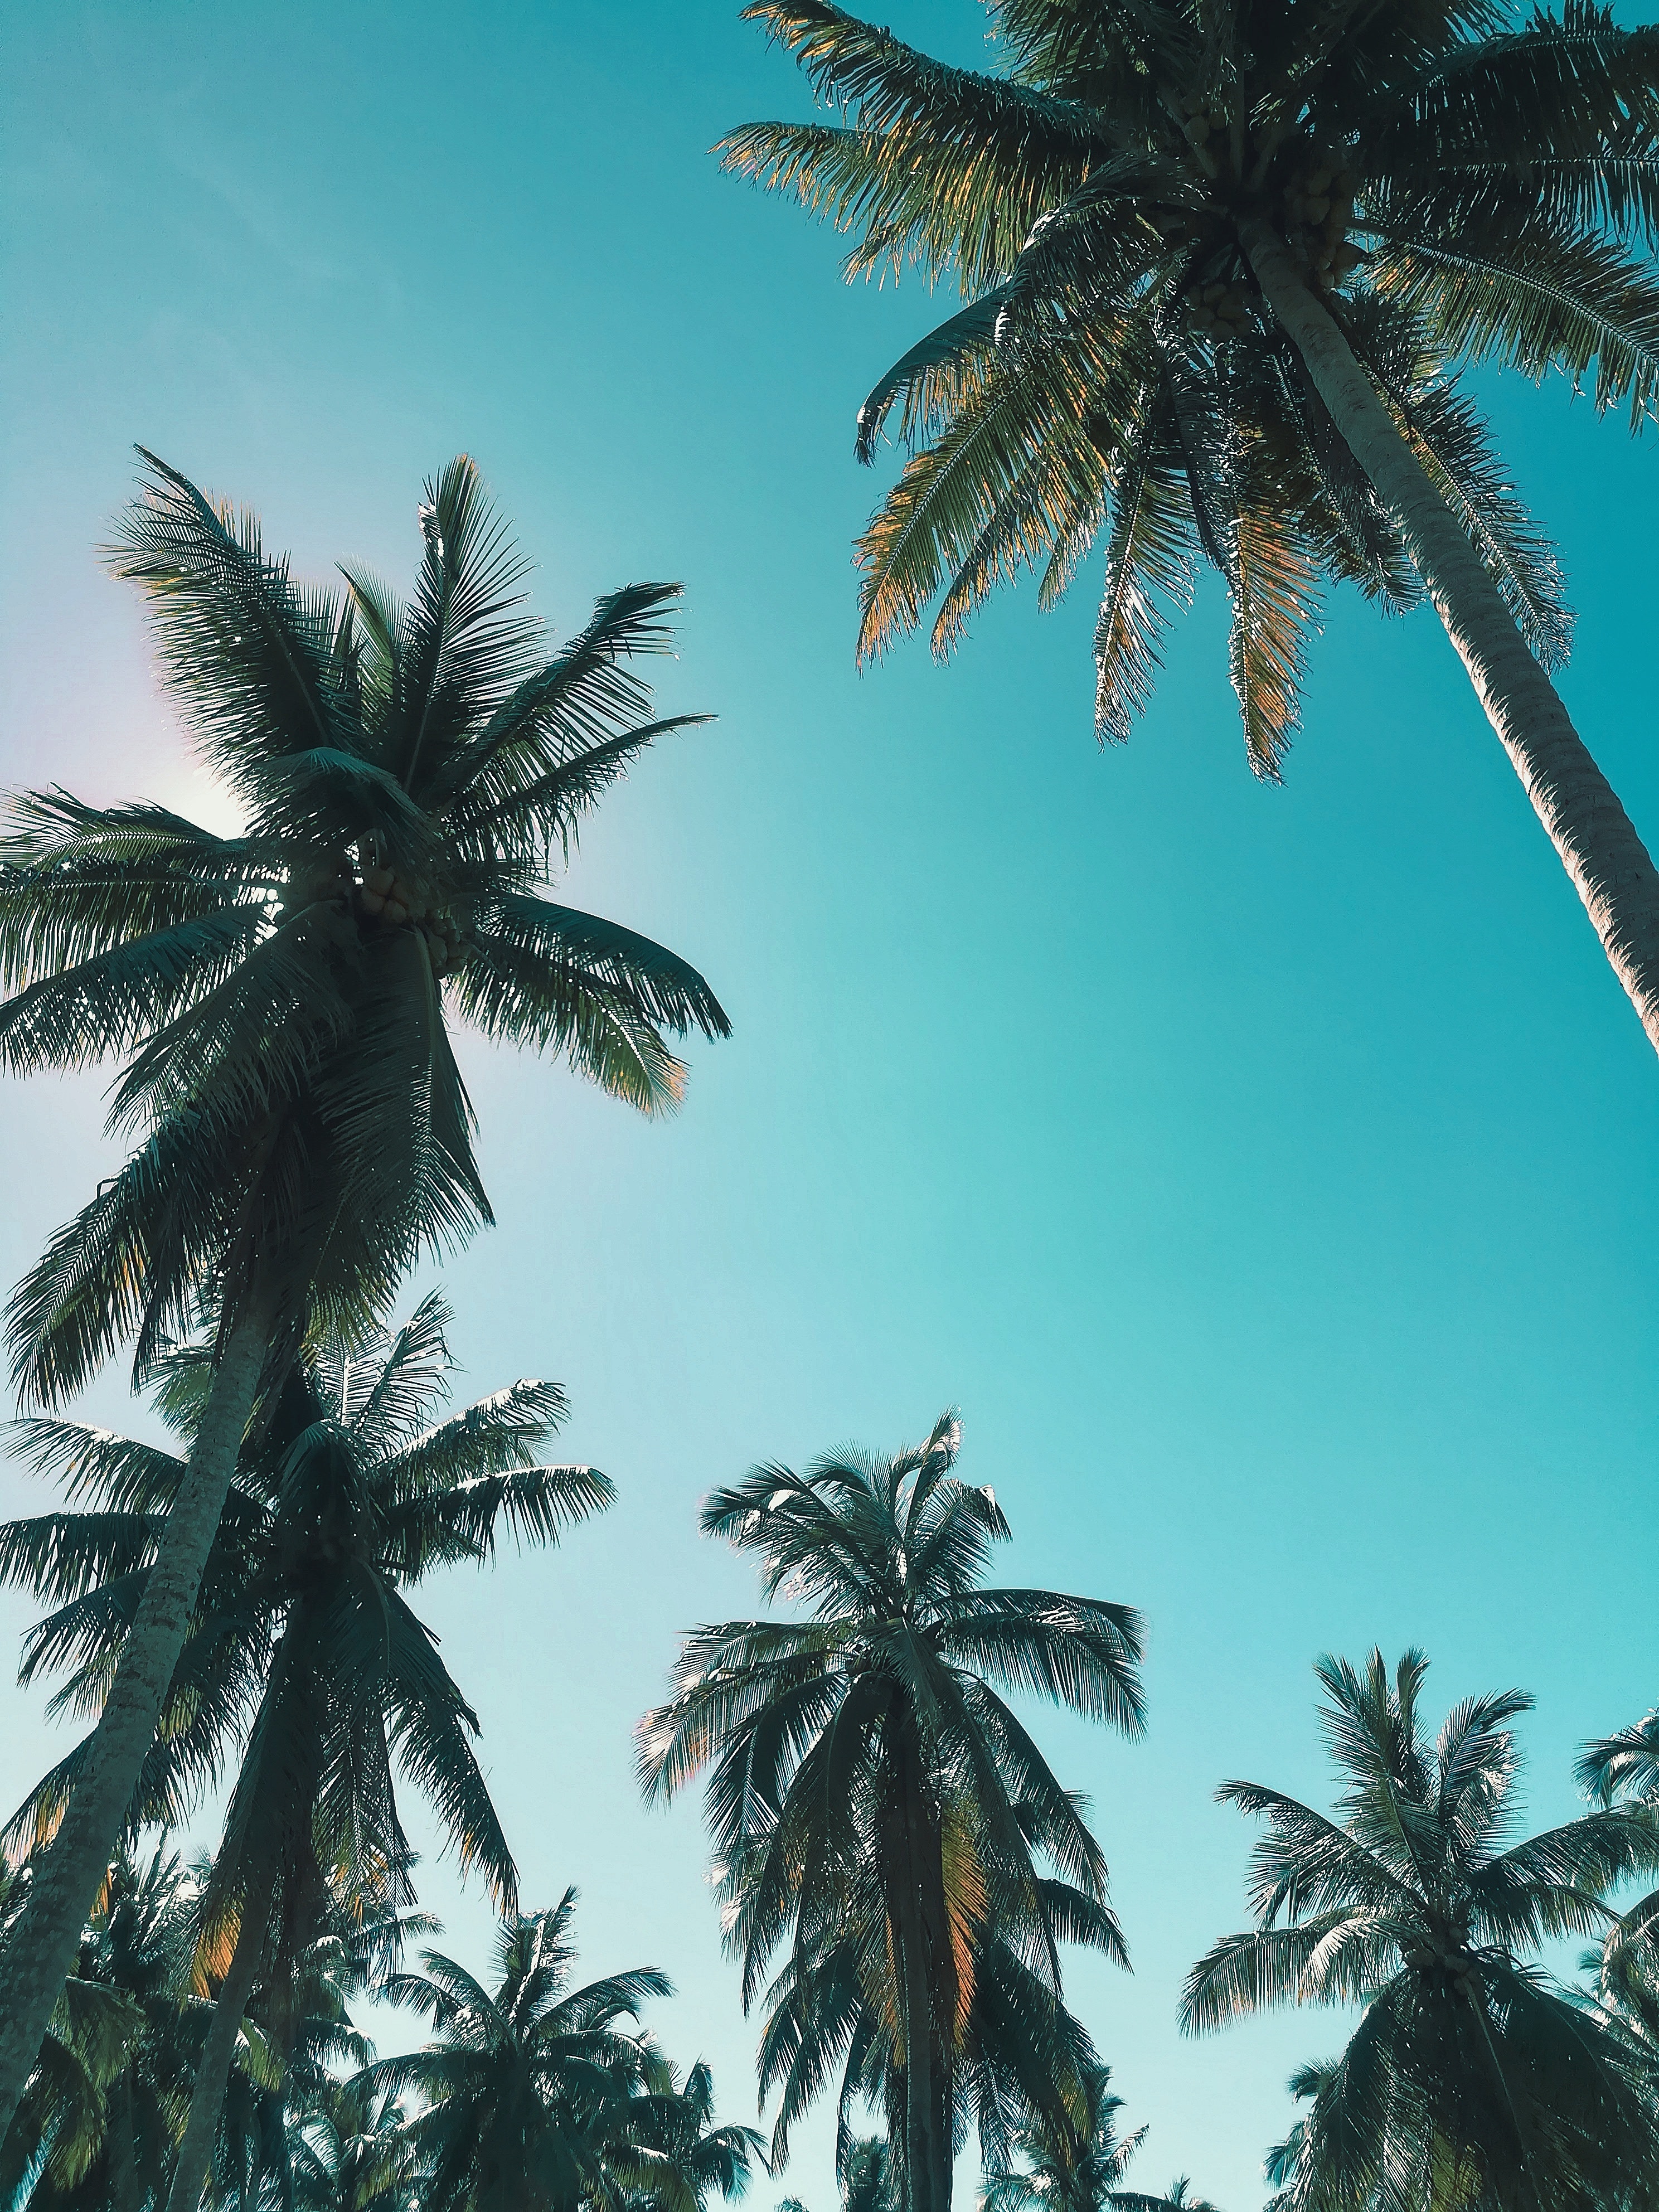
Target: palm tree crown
x,y
1450,183
410,780
1074,2160
1219,260
540,2096
304,1649
872,1789
1470,2079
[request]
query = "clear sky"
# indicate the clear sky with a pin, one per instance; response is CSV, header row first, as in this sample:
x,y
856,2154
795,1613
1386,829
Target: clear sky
x,y
1268,1174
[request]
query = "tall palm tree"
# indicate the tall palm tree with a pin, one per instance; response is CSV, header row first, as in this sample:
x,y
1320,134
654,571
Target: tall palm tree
x,y
1216,257
534,2095
1075,2160
410,780
1470,2080
872,1790
303,1651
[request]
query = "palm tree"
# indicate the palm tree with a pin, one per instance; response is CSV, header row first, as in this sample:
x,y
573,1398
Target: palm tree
x,y
680,2154
410,780
350,2150
868,2178
1471,2080
304,1649
98,2125
1216,260
1075,2161
530,2094
870,1787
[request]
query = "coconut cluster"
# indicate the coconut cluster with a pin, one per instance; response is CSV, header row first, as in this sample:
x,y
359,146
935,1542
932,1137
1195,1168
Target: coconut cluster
x,y
1319,213
398,900
1222,310
1453,1967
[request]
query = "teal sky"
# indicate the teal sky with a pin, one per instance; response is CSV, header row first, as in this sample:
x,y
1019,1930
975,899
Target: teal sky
x,y
1268,1174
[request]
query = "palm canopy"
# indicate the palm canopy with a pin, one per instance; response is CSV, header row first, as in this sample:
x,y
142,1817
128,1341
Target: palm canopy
x,y
410,780
1074,2160
1452,182
871,1791
296,2037
1470,2078
539,2095
303,1652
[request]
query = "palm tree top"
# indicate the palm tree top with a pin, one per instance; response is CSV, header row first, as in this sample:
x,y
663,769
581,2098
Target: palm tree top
x,y
412,782
355,1488
1454,182
887,1555
1420,1869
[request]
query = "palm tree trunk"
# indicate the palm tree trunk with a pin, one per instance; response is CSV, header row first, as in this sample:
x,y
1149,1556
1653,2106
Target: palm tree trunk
x,y
926,1979
207,2092
40,1948
1609,864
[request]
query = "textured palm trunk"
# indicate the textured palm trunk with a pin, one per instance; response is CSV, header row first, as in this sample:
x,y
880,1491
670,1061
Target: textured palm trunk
x,y
207,2092
926,1988
1609,864
41,1948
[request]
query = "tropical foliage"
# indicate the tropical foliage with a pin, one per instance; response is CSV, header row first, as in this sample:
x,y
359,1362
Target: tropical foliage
x,y
410,780
539,2093
876,1804
1471,2080
304,1663
1074,2160
1221,262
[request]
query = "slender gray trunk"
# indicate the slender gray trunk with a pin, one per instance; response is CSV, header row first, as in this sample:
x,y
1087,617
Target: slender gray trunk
x,y
41,1948
207,2092
1609,864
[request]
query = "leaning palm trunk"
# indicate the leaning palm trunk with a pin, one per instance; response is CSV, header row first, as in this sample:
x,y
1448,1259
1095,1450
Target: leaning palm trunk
x,y
1609,864
207,2090
41,1948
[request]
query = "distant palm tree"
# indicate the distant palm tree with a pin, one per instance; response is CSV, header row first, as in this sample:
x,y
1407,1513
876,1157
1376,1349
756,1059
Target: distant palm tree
x,y
678,2155
531,2096
410,780
350,2150
868,2178
1217,259
871,1791
1076,2161
304,1653
1470,2080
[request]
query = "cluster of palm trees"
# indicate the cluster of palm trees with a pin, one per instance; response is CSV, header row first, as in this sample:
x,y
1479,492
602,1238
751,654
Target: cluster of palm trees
x,y
1224,263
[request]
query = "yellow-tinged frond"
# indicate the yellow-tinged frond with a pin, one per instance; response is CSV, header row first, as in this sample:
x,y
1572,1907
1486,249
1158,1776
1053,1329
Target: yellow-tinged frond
x,y
964,1875
1273,598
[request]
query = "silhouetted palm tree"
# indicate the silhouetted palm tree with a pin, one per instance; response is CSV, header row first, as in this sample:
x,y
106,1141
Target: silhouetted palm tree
x,y
410,779
1470,2080
304,1655
1218,257
875,1802
539,2097
1074,2160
